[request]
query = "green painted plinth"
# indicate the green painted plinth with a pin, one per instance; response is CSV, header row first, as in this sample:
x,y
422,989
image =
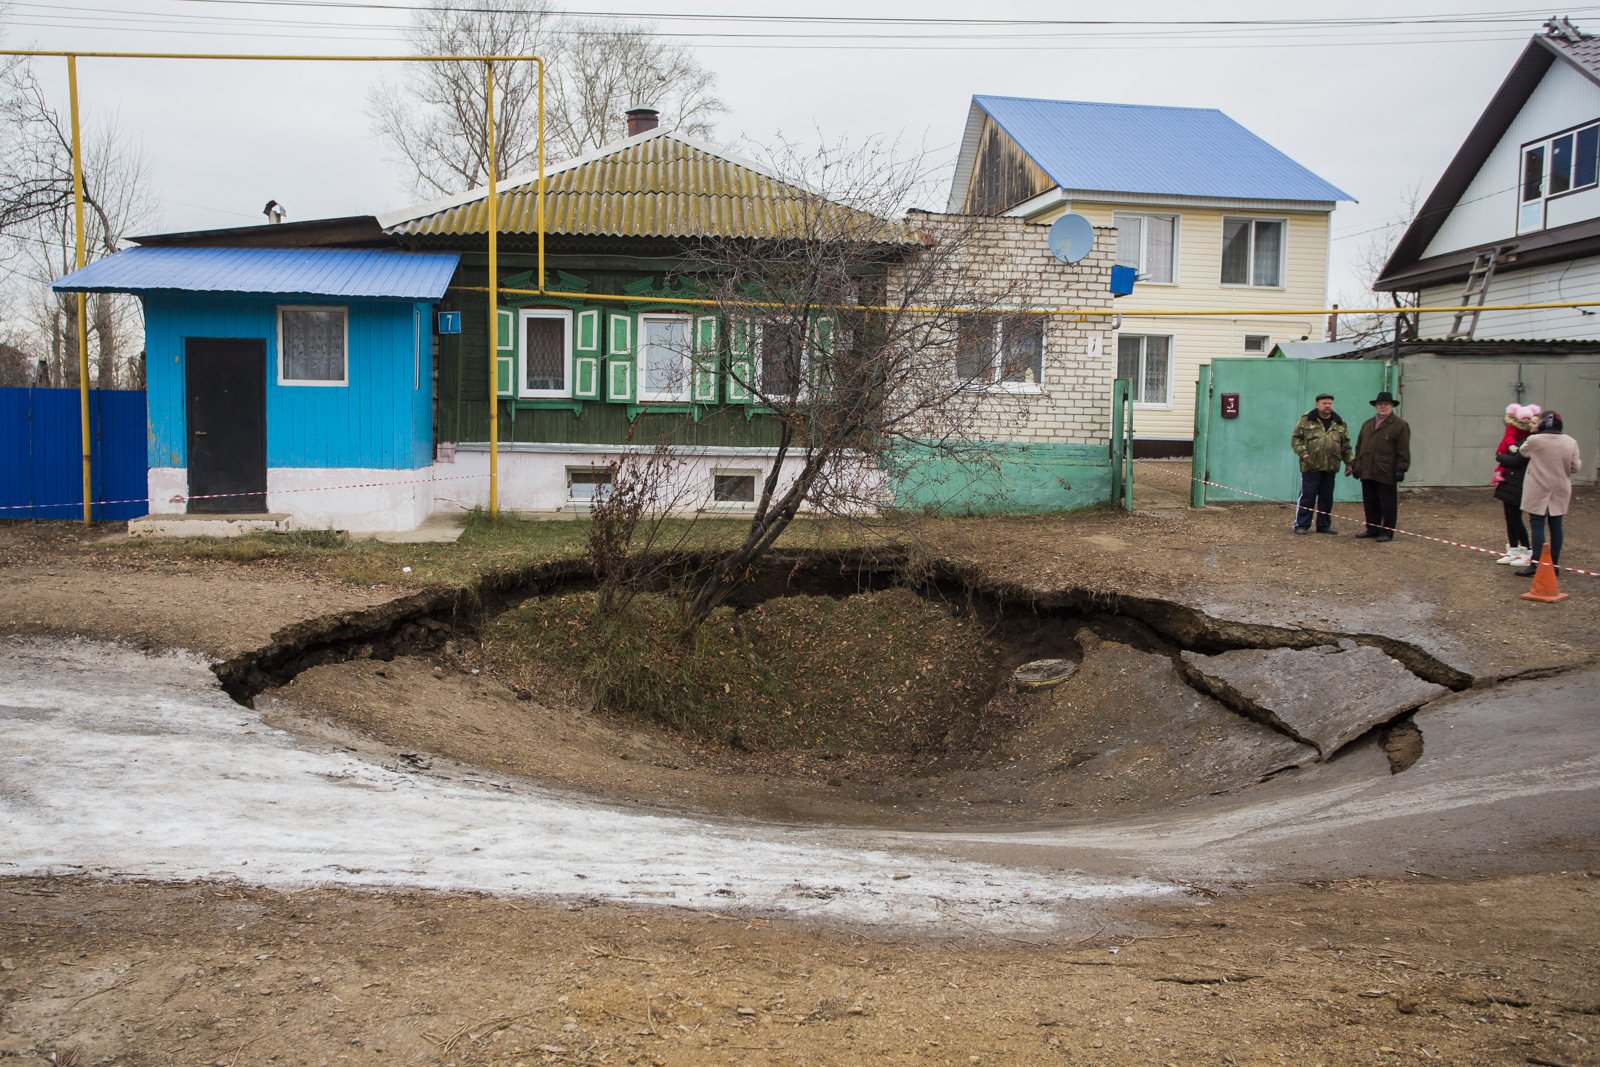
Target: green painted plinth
x,y
1001,478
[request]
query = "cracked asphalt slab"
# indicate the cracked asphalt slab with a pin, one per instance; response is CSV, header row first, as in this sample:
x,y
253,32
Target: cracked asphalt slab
x,y
123,763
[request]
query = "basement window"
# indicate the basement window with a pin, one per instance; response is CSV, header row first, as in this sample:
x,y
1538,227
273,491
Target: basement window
x,y
733,488
588,485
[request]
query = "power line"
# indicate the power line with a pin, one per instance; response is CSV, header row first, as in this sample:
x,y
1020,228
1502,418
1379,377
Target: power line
x,y
1193,32
1512,15
823,42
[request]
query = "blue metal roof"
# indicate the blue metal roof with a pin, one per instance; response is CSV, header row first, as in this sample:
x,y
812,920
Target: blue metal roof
x,y
1134,148
350,272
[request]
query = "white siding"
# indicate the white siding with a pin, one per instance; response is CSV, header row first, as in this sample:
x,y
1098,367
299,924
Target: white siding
x,y
1487,211
1196,340
1575,280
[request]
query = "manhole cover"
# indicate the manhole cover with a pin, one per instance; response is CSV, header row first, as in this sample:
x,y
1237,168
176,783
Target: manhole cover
x,y
1043,673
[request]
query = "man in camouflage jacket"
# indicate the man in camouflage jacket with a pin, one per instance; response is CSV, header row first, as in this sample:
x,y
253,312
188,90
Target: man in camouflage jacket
x,y
1322,441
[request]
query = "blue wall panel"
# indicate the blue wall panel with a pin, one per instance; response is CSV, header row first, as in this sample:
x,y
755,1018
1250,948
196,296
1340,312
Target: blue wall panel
x,y
381,417
41,465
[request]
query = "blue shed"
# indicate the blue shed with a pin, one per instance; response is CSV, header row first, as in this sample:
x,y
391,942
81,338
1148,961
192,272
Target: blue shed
x,y
291,381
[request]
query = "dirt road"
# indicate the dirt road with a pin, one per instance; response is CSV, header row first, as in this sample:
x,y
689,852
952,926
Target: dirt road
x,y
1334,914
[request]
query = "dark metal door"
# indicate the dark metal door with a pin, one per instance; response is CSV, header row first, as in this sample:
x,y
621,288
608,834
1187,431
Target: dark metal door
x,y
226,406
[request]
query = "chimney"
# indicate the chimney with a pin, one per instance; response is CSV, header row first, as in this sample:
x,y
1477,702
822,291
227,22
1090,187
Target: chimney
x,y
642,120
1333,324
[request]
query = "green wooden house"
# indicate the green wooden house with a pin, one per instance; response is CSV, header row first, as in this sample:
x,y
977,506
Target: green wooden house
x,y
622,359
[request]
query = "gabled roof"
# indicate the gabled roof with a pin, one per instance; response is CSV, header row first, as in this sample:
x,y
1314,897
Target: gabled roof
x,y
1529,70
1134,148
656,184
336,272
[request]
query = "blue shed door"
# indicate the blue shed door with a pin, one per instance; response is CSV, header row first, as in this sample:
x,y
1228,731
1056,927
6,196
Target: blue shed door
x,y
226,405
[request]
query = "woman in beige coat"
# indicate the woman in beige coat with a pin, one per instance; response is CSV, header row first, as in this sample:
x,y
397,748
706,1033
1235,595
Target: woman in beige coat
x,y
1547,488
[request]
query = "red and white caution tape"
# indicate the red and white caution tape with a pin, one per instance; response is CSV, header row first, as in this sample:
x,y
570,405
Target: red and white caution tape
x,y
1496,552
179,497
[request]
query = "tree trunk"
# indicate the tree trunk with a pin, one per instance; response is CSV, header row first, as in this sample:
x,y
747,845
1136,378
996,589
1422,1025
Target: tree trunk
x,y
105,333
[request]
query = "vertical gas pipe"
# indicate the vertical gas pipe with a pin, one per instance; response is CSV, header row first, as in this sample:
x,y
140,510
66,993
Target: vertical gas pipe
x,y
83,331
494,306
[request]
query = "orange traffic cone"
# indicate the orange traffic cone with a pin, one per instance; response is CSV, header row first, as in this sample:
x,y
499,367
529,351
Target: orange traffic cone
x,y
1545,590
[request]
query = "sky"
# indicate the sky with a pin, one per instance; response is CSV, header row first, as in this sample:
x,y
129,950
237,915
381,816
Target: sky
x,y
1378,110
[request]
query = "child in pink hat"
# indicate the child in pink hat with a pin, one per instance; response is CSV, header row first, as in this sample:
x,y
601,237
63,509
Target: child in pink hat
x,y
1521,420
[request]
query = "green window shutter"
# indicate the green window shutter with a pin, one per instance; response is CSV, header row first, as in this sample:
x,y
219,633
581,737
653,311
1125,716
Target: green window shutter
x,y
505,352
621,330
819,356
703,389
741,361
586,360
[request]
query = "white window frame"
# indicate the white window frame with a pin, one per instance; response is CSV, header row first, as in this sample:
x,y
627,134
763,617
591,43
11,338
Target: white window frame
x,y
642,342
1144,358
804,370
1144,242
577,501
997,357
755,476
1250,263
522,352
344,315
1262,349
1529,210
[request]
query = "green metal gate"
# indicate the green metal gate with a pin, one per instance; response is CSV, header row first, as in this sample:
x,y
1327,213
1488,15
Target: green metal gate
x,y
1247,457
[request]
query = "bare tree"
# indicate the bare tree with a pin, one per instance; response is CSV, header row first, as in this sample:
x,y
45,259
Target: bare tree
x,y
42,239
1370,259
867,341
434,117
602,71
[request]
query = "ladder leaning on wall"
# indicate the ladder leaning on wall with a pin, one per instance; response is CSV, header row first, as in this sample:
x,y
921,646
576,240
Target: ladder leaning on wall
x,y
1477,289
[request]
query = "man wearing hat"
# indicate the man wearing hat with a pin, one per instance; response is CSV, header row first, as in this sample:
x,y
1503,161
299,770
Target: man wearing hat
x,y
1383,455
1322,441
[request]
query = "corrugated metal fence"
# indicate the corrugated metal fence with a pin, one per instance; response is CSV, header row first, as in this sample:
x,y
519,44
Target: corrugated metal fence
x,y
41,466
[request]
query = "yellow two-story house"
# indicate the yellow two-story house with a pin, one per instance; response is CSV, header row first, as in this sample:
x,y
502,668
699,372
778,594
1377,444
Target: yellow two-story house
x,y
1210,215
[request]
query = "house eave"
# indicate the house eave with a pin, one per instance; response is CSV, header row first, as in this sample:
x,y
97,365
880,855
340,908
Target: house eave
x,y
1557,245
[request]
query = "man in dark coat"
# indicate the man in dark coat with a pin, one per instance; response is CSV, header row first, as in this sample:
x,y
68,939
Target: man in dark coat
x,y
1383,455
1322,441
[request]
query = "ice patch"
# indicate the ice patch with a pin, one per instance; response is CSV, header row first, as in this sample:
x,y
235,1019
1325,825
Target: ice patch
x,y
117,762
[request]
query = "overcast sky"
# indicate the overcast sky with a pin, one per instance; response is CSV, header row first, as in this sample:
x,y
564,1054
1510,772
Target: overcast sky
x,y
1377,110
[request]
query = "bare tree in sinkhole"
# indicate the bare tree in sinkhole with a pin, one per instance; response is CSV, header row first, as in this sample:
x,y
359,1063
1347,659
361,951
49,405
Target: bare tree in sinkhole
x,y
873,345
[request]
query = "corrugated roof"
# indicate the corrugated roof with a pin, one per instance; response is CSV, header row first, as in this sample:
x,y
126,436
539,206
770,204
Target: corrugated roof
x,y
1135,148
1479,346
658,184
346,272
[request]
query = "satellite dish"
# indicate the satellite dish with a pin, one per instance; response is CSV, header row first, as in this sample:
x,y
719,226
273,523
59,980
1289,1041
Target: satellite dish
x,y
1071,238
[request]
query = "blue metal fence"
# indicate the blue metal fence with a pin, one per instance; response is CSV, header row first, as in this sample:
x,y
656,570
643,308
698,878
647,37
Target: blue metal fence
x,y
41,465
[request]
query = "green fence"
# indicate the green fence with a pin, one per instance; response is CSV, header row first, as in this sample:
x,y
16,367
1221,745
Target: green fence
x,y
1121,445
1247,455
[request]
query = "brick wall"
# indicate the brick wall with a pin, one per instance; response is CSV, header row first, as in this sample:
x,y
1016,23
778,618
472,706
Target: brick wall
x,y
1006,262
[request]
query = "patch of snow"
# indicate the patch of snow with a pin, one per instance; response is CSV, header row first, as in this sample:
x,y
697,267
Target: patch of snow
x,y
117,762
